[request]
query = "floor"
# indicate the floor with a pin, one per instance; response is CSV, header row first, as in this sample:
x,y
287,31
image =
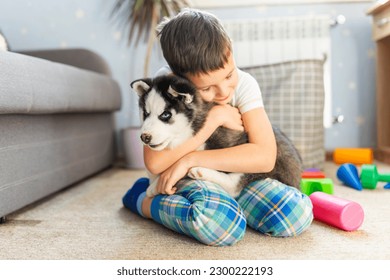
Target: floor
x,y
88,221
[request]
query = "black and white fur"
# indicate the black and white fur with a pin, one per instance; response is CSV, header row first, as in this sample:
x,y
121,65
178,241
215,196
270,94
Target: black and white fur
x,y
172,112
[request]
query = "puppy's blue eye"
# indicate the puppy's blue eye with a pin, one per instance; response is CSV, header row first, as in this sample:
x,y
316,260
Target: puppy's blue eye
x,y
165,116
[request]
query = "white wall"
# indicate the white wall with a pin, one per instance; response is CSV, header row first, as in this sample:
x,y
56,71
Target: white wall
x,y
43,24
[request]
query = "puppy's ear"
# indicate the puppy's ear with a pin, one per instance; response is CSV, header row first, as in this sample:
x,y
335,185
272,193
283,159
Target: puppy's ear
x,y
141,86
187,96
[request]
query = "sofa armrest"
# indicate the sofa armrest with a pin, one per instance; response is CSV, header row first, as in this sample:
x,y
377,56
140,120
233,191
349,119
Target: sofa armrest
x,y
80,58
30,85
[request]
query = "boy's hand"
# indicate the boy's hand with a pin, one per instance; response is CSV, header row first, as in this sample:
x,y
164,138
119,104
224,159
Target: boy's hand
x,y
169,178
226,116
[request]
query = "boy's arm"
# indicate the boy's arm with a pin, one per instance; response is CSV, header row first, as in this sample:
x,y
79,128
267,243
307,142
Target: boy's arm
x,y
257,156
221,115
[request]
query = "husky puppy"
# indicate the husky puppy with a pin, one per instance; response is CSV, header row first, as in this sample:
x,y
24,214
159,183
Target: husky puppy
x,y
173,112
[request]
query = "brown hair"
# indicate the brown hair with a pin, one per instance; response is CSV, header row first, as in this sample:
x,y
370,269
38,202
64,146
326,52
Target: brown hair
x,y
194,42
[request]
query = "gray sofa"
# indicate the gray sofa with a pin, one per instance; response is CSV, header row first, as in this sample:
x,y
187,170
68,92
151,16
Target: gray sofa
x,y
56,122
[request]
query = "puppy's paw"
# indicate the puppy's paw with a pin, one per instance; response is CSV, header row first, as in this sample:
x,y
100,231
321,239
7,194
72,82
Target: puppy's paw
x,y
202,173
196,173
151,190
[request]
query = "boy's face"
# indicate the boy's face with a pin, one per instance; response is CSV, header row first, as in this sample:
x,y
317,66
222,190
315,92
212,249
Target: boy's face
x,y
218,85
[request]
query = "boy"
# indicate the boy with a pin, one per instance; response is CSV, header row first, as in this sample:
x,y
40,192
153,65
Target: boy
x,y
196,47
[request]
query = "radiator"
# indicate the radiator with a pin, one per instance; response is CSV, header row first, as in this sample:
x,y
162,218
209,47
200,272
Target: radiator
x,y
273,40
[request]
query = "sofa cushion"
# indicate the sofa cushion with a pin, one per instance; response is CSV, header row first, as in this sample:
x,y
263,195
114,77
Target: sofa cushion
x,y
80,58
31,85
293,94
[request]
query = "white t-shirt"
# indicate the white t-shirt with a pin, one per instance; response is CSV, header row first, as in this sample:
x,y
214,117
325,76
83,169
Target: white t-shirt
x,y
247,95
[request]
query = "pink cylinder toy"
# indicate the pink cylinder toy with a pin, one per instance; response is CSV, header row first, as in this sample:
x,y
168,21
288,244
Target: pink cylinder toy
x,y
335,211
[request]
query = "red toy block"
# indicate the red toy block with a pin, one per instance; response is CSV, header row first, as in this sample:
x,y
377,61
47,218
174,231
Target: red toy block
x,y
313,174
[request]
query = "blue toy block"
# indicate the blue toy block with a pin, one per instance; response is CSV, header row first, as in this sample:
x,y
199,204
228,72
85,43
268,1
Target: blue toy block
x,y
348,174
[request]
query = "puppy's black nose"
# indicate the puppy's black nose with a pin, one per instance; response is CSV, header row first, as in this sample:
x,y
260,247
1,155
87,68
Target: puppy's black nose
x,y
146,138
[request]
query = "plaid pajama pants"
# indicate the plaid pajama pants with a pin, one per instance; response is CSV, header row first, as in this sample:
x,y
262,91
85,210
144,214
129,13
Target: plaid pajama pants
x,y
204,211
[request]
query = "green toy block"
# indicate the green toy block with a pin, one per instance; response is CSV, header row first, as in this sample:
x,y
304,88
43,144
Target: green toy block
x,y
370,176
308,186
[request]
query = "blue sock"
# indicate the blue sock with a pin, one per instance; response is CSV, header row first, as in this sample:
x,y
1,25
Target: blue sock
x,y
130,199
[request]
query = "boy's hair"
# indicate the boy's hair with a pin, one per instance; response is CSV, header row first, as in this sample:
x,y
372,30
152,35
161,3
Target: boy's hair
x,y
194,42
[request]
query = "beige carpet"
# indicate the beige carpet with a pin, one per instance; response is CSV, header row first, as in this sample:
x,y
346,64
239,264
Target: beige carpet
x,y
87,221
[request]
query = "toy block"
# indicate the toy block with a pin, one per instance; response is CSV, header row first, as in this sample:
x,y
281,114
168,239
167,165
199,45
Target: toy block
x,y
309,186
313,174
353,155
336,211
312,169
348,174
370,176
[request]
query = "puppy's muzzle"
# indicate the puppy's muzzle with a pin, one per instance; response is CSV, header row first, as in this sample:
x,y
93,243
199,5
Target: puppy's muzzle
x,y
146,138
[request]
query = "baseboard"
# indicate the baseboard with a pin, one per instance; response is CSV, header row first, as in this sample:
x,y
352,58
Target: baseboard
x,y
382,154
329,155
